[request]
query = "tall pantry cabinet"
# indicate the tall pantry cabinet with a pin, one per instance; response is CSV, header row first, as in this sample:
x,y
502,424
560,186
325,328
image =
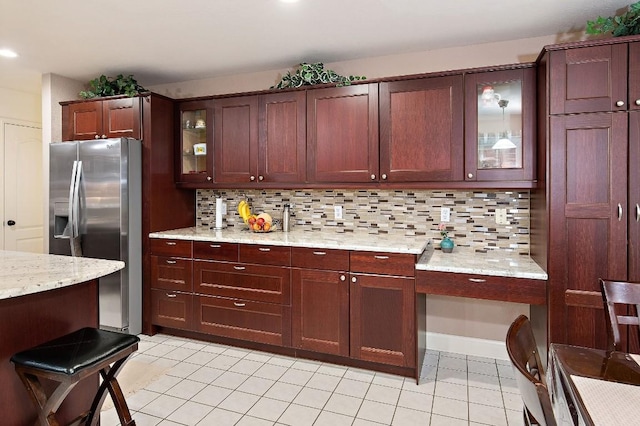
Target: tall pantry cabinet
x,y
590,195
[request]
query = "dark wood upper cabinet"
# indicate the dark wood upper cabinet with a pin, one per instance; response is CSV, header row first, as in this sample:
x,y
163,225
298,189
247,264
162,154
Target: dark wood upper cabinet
x,y
282,137
634,76
634,197
195,149
421,128
101,119
589,79
235,140
342,134
500,125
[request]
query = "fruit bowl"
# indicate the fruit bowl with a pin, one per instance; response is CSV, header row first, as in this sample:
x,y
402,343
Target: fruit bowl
x,y
261,223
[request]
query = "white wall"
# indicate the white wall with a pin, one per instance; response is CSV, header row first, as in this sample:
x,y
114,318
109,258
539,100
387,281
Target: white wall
x,y
20,105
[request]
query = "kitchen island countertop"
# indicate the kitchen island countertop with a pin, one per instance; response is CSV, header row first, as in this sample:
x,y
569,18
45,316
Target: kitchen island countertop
x,y
24,273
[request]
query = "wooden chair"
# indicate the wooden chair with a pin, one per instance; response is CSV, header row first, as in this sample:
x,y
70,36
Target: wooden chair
x,y
529,373
620,293
69,359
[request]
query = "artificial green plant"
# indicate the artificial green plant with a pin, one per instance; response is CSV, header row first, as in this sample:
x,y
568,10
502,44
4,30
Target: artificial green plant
x,y
310,74
626,24
107,86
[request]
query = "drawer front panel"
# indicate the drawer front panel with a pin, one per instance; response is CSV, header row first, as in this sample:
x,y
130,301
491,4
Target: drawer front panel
x,y
171,309
215,251
271,284
507,289
265,255
242,319
171,273
164,247
310,258
383,263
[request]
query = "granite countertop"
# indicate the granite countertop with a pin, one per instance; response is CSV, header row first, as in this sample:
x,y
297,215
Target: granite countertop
x,y
359,240
27,273
502,263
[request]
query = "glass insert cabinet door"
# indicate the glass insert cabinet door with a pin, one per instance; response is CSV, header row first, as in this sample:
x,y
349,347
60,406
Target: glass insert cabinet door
x,y
195,126
499,125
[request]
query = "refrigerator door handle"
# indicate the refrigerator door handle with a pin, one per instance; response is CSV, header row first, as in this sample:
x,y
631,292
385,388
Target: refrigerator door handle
x,y
74,212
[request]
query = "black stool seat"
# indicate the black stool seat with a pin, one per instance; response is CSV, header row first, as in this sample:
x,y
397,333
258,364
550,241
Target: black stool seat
x,y
75,351
69,359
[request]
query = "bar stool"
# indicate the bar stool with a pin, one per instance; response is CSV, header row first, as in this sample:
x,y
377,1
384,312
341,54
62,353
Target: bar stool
x,y
69,359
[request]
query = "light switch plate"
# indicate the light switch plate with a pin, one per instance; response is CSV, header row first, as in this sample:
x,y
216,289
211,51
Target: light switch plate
x,y
445,214
337,212
224,208
501,217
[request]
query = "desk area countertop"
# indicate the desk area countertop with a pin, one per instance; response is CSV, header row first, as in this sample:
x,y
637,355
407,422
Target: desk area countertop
x,y
27,273
359,240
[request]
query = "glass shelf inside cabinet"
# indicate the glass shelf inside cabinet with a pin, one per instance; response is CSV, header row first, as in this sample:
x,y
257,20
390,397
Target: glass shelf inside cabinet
x,y
194,141
500,125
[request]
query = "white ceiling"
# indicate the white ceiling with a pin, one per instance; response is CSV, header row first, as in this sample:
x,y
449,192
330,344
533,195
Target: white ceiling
x,y
165,41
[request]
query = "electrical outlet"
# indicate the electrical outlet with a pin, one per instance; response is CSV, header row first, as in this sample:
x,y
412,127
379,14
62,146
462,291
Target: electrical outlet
x,y
224,208
337,212
501,217
445,214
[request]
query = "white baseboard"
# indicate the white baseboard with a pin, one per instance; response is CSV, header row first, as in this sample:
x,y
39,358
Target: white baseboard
x,y
467,345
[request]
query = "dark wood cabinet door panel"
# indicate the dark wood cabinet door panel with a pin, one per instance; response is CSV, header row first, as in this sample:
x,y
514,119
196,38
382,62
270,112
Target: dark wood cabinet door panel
x,y
383,319
242,319
589,79
634,197
634,76
265,255
271,284
171,309
383,263
82,121
506,289
170,273
311,258
227,252
282,138
121,118
588,221
342,134
421,128
235,139
164,247
320,320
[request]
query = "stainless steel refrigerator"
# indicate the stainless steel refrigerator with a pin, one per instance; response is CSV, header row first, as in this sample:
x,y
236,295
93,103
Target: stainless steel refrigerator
x,y
95,211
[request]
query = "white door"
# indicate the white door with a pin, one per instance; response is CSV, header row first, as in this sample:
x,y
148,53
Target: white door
x,y
23,216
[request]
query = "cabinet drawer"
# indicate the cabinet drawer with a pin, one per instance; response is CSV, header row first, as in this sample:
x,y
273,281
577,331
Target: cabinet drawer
x,y
171,309
171,273
265,255
383,263
164,247
215,251
271,284
243,319
333,260
507,289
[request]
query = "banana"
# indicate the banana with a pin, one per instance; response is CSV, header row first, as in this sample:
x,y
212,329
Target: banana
x,y
246,212
240,207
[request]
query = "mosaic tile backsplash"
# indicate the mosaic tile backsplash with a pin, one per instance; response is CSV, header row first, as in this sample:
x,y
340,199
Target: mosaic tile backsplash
x,y
414,213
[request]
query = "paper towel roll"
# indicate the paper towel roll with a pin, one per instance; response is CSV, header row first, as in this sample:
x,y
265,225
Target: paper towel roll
x,y
218,213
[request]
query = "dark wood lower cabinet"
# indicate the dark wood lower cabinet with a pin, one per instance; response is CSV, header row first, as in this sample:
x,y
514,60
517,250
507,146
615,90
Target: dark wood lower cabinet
x,y
171,309
383,319
320,311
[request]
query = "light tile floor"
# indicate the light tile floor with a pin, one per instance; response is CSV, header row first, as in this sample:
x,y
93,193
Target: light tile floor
x,y
212,384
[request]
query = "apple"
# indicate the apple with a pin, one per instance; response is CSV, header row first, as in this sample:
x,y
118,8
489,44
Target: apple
x,y
266,226
256,227
251,220
260,221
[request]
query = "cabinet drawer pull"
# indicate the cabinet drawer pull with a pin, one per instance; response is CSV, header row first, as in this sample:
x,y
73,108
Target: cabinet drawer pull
x,y
381,257
170,243
171,262
477,280
172,295
215,245
264,249
320,253
239,304
239,268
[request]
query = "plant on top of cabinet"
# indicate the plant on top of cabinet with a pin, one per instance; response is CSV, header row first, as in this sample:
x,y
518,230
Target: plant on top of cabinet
x,y
626,24
310,74
107,86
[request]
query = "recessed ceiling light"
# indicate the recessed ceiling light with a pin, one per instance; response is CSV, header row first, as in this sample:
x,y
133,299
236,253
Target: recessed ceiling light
x,y
8,53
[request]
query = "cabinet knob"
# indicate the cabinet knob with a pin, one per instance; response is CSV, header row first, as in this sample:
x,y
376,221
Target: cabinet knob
x,y
11,222
97,137
252,178
260,178
354,279
209,178
620,103
384,176
104,136
470,175
342,278
373,177
637,101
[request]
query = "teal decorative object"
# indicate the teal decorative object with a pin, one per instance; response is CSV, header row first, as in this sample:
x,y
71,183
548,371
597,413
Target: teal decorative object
x,y
446,245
